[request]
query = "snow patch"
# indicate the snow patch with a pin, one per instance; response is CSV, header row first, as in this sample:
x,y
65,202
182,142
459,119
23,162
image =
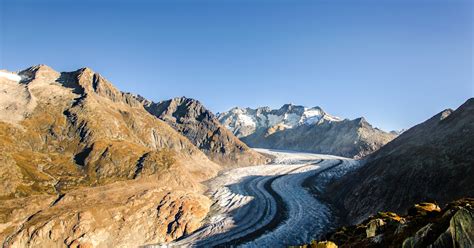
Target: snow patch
x,y
10,76
292,120
332,118
246,120
273,120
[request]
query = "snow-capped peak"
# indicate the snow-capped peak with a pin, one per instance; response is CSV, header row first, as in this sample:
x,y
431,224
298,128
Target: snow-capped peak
x,y
244,121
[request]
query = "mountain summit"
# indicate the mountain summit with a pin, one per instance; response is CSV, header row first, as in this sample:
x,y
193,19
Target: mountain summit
x,y
304,129
200,126
83,164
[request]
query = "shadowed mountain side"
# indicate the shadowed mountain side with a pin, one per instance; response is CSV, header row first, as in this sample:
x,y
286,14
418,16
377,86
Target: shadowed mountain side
x,y
201,127
347,138
431,161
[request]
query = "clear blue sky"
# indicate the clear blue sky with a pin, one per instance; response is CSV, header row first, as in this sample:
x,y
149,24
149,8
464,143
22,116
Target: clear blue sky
x,y
396,62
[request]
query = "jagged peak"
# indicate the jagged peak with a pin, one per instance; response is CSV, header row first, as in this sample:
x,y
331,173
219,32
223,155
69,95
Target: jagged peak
x,y
40,67
184,99
290,106
38,71
361,120
316,107
86,69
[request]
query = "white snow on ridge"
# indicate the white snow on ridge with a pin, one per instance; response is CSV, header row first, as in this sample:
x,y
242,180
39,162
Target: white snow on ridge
x,y
272,120
311,116
246,120
331,118
314,115
10,76
291,120
243,122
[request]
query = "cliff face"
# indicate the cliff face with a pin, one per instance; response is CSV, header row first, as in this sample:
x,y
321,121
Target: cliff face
x,y
298,128
74,147
190,118
431,161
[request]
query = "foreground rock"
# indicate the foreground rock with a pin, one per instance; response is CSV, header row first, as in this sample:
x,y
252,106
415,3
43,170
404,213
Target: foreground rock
x,y
304,129
85,164
202,128
423,227
433,160
124,214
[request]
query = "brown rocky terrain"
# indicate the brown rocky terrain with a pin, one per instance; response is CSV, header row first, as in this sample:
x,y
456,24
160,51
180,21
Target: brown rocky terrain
x,y
85,164
431,161
203,129
425,225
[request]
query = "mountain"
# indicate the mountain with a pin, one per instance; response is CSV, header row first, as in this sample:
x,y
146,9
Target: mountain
x,y
430,161
304,129
190,118
84,164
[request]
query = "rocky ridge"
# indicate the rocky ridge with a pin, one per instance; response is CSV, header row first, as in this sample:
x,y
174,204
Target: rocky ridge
x,y
84,164
190,118
430,161
304,129
425,225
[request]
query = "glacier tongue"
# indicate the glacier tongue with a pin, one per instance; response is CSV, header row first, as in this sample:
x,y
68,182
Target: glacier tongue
x,y
246,213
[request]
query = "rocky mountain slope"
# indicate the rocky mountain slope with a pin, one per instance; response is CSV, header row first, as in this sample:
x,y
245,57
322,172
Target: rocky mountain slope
x,y
431,161
425,225
202,128
304,129
84,164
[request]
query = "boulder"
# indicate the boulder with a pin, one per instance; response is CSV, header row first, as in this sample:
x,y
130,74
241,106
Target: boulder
x,y
424,208
373,226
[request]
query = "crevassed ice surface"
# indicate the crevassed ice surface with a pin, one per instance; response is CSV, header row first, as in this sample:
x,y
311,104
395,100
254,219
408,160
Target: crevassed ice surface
x,y
242,206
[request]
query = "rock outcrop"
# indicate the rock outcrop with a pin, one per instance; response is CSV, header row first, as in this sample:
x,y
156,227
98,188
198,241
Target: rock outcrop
x,y
85,164
426,226
304,129
190,118
431,161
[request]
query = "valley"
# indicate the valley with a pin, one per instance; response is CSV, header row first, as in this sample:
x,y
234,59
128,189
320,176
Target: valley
x,y
274,124
261,205
86,165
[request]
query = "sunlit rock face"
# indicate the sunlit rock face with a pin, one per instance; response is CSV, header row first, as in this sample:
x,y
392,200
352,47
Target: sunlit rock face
x,y
84,163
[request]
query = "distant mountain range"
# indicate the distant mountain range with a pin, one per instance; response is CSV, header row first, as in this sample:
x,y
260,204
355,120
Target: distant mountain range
x,y
300,128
